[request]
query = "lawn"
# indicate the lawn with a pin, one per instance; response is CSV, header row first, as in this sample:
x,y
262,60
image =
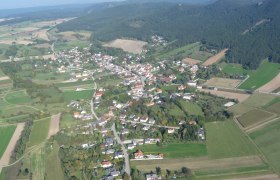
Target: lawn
x,y
39,132
225,139
254,117
191,108
53,166
75,95
232,69
268,140
6,133
18,97
266,72
179,150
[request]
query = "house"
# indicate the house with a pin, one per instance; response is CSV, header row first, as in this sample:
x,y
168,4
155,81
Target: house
x,y
171,130
144,119
152,177
187,96
229,104
151,103
146,128
118,155
124,131
192,83
192,123
99,94
76,115
181,88
115,173
158,91
152,121
106,164
130,146
138,154
110,151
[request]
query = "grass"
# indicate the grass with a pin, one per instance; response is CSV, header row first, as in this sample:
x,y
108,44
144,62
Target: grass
x,y
225,139
275,107
6,134
19,97
179,150
191,108
75,95
39,132
254,117
77,83
268,140
266,72
53,166
230,68
259,100
67,121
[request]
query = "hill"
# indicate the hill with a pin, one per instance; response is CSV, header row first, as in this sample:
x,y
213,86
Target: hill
x,y
218,25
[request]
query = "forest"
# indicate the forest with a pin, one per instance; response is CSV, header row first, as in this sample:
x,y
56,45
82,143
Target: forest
x,y
250,30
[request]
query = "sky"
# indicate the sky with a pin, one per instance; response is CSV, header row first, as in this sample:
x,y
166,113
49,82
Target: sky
x,y
12,4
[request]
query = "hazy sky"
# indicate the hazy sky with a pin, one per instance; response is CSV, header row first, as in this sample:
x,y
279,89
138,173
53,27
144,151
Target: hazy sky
x,y
11,4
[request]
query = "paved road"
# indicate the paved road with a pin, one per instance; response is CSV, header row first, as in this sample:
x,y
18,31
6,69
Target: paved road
x,y
126,156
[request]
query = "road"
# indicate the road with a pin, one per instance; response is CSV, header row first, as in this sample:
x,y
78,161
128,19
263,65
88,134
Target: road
x,y
126,156
147,124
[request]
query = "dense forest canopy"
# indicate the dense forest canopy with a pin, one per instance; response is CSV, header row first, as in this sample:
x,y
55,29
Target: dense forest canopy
x,y
249,28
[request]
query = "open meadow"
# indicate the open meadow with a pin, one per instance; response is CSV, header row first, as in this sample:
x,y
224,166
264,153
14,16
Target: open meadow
x,y
6,133
132,46
39,132
223,82
233,69
265,73
75,95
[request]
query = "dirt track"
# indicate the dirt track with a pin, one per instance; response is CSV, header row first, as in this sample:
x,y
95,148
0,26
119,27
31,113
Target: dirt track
x,y
199,163
271,85
229,95
54,125
11,146
215,58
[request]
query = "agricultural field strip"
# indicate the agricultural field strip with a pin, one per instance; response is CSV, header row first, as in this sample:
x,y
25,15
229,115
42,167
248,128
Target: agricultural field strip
x,y
215,58
8,152
228,95
259,177
271,85
223,82
54,125
199,163
260,126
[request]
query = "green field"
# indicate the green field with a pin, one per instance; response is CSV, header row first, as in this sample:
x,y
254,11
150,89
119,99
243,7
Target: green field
x,y
254,117
225,139
275,107
19,97
39,132
266,72
6,133
259,100
191,108
180,150
233,69
75,95
67,121
77,83
268,140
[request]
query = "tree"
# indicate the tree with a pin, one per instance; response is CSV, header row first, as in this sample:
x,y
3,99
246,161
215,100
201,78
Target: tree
x,y
126,176
186,171
158,170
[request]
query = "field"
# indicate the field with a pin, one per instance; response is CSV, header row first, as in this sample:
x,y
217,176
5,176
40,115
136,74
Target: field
x,y
271,85
67,121
225,139
18,97
215,58
259,100
265,73
228,95
39,132
191,108
223,82
275,107
254,117
50,78
74,95
54,125
179,150
191,61
73,36
268,140
6,133
232,69
132,46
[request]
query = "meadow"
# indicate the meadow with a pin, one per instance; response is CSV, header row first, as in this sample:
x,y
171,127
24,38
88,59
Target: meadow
x,y
254,117
225,139
39,132
179,150
191,108
18,97
6,133
75,95
268,140
265,73
233,69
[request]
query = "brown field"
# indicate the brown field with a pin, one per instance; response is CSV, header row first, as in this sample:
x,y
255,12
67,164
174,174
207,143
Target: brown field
x,y
271,85
45,45
4,161
132,46
255,117
274,108
198,163
54,125
229,95
191,61
72,36
18,41
223,82
41,34
259,177
215,58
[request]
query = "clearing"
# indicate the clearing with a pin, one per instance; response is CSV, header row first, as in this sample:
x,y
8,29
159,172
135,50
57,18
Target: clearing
x,y
265,73
223,82
268,140
132,46
255,117
215,58
271,85
225,139
228,95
